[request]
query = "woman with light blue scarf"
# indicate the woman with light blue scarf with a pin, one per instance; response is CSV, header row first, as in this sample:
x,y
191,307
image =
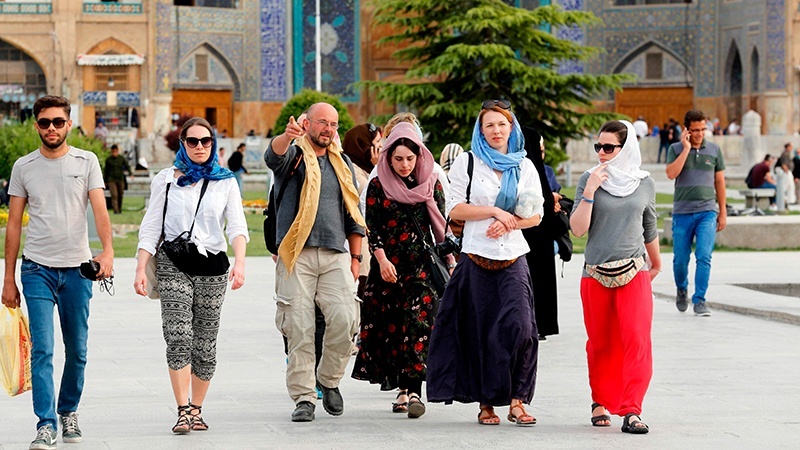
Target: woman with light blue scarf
x,y
484,345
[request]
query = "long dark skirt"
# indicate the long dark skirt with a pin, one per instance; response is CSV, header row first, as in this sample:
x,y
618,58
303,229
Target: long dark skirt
x,y
484,345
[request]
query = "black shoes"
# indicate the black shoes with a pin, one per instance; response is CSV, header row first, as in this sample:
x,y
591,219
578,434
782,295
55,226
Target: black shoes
x,y
304,412
680,301
332,400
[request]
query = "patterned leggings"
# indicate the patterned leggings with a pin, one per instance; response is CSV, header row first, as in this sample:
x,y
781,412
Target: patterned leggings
x,y
190,312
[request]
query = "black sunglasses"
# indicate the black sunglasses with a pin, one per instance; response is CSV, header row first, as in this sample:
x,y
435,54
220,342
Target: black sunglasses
x,y
502,104
58,122
193,141
607,148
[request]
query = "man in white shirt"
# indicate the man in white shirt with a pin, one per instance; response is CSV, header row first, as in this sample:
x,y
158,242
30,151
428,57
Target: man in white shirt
x,y
56,182
640,126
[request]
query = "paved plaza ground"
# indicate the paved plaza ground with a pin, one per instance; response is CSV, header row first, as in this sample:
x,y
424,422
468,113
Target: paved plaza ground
x,y
727,381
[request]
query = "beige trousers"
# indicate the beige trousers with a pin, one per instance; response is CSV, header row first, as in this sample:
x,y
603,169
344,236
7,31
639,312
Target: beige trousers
x,y
322,277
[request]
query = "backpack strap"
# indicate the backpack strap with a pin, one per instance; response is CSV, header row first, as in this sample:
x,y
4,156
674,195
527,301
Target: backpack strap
x,y
297,160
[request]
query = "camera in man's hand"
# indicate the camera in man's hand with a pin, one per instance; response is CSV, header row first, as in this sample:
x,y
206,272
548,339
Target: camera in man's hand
x,y
90,270
451,244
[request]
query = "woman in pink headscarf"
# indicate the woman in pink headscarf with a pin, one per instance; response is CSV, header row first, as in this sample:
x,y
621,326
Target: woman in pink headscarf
x,y
398,309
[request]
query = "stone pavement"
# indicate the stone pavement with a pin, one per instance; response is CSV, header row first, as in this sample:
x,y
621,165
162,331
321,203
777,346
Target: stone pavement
x,y
727,381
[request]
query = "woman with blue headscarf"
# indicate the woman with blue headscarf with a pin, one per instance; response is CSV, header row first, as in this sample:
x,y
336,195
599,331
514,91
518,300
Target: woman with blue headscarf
x,y
194,197
484,343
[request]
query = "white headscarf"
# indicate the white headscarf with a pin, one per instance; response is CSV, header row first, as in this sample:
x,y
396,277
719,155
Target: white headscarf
x,y
624,172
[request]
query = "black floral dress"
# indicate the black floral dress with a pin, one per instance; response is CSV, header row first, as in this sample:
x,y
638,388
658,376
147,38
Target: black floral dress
x,y
396,318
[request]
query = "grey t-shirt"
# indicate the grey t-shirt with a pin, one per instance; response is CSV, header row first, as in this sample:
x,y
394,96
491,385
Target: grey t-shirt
x,y
332,224
620,226
57,191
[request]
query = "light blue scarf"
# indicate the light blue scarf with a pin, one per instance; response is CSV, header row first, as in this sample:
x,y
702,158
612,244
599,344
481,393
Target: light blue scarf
x,y
193,172
509,163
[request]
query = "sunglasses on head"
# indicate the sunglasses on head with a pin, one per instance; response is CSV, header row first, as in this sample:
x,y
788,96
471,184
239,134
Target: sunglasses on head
x,y
58,122
502,104
192,142
372,128
607,148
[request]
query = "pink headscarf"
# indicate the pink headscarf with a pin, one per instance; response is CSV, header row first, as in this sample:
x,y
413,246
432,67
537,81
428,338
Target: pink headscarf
x,y
396,190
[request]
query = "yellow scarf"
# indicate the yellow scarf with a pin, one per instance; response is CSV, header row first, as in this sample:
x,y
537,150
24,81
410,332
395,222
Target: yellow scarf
x,y
295,239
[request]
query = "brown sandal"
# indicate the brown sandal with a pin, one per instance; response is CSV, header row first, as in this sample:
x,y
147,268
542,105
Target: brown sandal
x,y
184,424
522,420
491,418
198,424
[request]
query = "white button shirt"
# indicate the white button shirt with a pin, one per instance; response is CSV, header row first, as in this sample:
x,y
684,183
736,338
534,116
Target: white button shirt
x,y
222,202
485,187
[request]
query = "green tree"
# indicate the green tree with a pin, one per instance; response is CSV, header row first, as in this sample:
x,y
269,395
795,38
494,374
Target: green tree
x,y
465,51
18,140
305,98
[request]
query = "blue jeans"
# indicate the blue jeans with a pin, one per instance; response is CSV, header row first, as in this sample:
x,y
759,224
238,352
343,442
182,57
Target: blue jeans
x,y
700,227
238,176
43,288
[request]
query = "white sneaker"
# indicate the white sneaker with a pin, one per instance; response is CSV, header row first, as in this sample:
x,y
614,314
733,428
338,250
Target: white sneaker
x,y
45,439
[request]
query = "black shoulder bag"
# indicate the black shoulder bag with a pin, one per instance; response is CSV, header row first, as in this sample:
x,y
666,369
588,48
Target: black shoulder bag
x,y
184,254
271,211
437,271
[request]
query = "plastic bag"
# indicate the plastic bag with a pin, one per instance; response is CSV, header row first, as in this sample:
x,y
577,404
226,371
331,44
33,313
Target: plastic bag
x,y
15,351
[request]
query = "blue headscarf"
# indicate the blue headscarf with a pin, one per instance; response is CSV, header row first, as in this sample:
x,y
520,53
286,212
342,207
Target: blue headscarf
x,y
193,172
508,163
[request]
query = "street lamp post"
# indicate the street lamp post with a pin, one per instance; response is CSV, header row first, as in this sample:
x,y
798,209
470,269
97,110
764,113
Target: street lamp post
x,y
318,53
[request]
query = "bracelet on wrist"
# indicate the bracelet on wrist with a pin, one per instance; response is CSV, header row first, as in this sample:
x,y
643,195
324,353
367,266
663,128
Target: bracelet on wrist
x,y
587,200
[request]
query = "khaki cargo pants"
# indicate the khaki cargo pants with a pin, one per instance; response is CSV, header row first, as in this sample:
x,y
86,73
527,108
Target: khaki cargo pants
x,y
322,277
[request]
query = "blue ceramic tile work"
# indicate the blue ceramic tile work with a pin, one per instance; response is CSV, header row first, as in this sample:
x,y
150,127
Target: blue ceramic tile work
x,y
94,98
128,98
340,46
776,45
574,34
165,52
273,50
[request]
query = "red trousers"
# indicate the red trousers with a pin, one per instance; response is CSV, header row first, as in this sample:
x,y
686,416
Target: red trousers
x,y
619,350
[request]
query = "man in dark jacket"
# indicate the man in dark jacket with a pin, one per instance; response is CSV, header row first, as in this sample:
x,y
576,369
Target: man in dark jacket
x,y
114,172
235,164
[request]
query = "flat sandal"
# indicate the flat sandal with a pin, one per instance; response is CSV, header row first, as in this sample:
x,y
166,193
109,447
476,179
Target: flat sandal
x,y
184,423
400,407
197,422
520,419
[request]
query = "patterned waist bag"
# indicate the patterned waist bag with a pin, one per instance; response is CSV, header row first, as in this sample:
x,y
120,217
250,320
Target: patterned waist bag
x,y
615,273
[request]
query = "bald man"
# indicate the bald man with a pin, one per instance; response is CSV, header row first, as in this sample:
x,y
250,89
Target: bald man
x,y
313,266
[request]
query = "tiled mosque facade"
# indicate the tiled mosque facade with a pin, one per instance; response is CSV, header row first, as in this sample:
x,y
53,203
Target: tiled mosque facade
x,y
238,61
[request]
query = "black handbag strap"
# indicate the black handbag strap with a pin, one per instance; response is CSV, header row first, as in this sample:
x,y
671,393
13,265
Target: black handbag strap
x,y
166,201
410,212
292,171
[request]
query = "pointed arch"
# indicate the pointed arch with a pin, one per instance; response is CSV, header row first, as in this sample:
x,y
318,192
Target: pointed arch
x,y
221,73
733,82
111,46
655,63
755,71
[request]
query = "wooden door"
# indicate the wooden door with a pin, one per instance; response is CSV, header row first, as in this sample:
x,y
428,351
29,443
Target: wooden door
x,y
198,102
656,105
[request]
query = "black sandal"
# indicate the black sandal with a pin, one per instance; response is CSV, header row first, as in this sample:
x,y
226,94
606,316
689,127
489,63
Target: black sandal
x,y
197,423
603,417
415,406
184,424
630,426
400,407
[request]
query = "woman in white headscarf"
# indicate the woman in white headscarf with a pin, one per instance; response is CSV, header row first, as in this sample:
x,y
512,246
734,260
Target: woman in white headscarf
x,y
615,204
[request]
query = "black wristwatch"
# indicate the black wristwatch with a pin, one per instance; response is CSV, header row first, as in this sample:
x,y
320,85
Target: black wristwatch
x,y
358,258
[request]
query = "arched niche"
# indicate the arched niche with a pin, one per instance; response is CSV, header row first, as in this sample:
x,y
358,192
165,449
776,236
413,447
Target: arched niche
x,y
655,65
22,81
